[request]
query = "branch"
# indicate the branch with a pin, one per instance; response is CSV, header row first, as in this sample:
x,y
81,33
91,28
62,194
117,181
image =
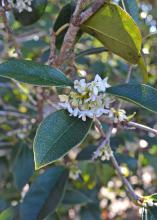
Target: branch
x,y
142,127
77,19
9,31
131,194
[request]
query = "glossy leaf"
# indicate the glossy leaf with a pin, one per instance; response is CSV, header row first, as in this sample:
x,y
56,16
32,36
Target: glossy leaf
x,y
27,18
33,73
140,94
74,197
117,31
45,194
56,135
23,166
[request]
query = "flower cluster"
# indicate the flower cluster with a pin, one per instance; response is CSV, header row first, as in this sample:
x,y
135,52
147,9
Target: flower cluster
x,y
104,153
89,100
21,5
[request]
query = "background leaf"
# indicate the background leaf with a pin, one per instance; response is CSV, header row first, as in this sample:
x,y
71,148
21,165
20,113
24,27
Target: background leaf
x,y
132,9
33,73
23,166
45,194
56,135
140,94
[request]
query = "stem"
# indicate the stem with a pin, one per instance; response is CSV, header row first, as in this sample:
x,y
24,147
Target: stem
x,y
142,127
9,31
131,194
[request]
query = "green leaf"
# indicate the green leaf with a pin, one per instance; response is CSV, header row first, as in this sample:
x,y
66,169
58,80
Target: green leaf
x,y
27,18
10,213
56,135
33,73
140,94
152,197
117,31
45,194
23,166
132,8
91,212
74,197
91,51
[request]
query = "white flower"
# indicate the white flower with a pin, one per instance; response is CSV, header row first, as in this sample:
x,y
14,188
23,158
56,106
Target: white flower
x,y
90,100
80,86
104,153
21,5
74,173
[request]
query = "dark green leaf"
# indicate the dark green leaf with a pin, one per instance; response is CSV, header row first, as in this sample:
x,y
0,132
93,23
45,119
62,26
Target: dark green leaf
x,y
23,166
117,31
27,18
45,194
74,197
56,135
87,153
33,73
140,94
91,212
91,51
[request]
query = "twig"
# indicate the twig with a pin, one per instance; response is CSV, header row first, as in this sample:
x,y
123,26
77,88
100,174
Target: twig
x,y
142,127
52,49
132,195
9,31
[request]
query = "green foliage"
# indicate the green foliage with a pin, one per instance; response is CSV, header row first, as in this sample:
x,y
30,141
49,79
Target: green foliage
x,y
140,94
23,162
28,18
113,27
39,201
56,135
33,73
70,183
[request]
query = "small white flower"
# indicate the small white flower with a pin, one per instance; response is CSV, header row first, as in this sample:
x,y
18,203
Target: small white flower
x,y
150,203
21,5
80,86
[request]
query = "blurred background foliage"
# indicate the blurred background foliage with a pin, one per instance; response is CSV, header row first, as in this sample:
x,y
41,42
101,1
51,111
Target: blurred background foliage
x,y
97,193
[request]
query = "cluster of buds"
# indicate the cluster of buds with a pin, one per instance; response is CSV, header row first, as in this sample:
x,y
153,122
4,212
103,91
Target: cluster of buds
x,y
91,100
21,5
104,153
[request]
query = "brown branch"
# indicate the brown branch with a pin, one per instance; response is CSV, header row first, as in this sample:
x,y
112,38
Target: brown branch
x,y
77,19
